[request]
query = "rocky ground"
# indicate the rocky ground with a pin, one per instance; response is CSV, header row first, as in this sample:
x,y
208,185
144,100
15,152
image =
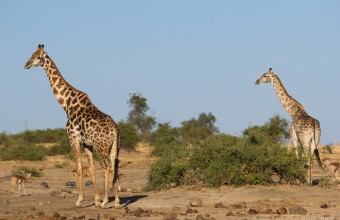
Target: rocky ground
x,y
247,202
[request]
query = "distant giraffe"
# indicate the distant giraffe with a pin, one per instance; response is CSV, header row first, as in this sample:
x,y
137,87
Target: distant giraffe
x,y
304,129
86,126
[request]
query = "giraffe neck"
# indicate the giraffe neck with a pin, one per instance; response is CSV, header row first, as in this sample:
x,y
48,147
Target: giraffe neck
x,y
66,94
293,107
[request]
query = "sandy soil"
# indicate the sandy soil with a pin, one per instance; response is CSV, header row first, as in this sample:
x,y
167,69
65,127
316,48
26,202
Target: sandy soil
x,y
248,202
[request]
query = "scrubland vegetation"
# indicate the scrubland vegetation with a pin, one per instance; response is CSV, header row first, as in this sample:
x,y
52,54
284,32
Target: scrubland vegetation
x,y
193,153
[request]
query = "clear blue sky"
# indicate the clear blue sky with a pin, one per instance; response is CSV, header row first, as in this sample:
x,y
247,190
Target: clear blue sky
x,y
185,57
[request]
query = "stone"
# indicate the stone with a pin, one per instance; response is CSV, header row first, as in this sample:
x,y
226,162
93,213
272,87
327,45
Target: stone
x,y
324,206
230,214
252,212
282,211
199,217
191,211
170,216
196,202
219,205
297,210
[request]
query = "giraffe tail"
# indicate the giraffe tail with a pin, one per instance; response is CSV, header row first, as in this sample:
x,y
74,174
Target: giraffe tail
x,y
116,164
316,151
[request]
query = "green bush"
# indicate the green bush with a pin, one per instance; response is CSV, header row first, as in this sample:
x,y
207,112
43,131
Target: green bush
x,y
163,138
24,152
42,136
129,136
22,170
169,170
226,160
62,148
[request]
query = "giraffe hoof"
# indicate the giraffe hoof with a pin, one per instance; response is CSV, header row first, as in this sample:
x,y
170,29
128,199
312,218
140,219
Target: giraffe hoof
x,y
97,204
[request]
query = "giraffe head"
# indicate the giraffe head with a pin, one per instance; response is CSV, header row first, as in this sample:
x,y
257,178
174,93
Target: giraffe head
x,y
37,58
266,77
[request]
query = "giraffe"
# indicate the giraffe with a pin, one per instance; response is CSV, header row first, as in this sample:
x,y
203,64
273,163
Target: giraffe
x,y
86,126
304,129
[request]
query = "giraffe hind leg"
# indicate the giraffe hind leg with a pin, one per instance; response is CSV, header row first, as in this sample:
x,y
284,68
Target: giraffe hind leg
x,y
114,171
89,154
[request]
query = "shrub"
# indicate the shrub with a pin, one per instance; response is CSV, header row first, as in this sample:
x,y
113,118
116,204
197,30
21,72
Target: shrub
x,y
24,152
62,148
163,139
21,170
129,136
169,170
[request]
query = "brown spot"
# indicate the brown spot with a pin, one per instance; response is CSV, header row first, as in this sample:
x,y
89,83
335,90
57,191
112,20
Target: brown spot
x,y
55,91
63,91
54,79
61,101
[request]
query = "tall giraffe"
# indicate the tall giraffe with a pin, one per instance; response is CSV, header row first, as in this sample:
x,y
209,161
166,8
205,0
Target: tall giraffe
x,y
304,130
87,126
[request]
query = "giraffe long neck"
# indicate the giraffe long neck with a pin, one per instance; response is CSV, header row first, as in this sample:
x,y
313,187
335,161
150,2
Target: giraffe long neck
x,y
292,106
66,94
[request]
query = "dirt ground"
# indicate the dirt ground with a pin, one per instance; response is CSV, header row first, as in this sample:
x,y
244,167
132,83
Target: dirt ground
x,y
247,202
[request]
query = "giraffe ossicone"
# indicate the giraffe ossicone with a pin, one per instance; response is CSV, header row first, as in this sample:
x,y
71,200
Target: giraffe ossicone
x,y
87,126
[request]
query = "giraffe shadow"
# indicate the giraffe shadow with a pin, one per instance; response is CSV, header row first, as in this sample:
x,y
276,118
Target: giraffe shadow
x,y
124,201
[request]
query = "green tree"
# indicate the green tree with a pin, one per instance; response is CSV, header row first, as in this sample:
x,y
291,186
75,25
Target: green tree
x,y
274,132
195,130
129,136
138,114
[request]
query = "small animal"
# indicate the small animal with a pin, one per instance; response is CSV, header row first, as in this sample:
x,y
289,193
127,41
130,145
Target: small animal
x,y
88,183
332,167
44,185
85,171
20,180
70,184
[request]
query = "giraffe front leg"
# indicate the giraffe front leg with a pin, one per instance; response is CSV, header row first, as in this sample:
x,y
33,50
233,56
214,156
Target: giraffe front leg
x,y
76,150
93,175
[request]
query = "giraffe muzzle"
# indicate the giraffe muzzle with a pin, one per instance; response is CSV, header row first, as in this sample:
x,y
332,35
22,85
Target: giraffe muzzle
x,y
27,65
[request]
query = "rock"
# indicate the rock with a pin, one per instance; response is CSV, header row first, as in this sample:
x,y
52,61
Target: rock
x,y
142,213
54,193
63,218
191,211
324,206
56,215
196,202
297,210
267,211
178,210
199,217
241,205
252,212
219,205
82,217
170,216
230,214
282,211
44,185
